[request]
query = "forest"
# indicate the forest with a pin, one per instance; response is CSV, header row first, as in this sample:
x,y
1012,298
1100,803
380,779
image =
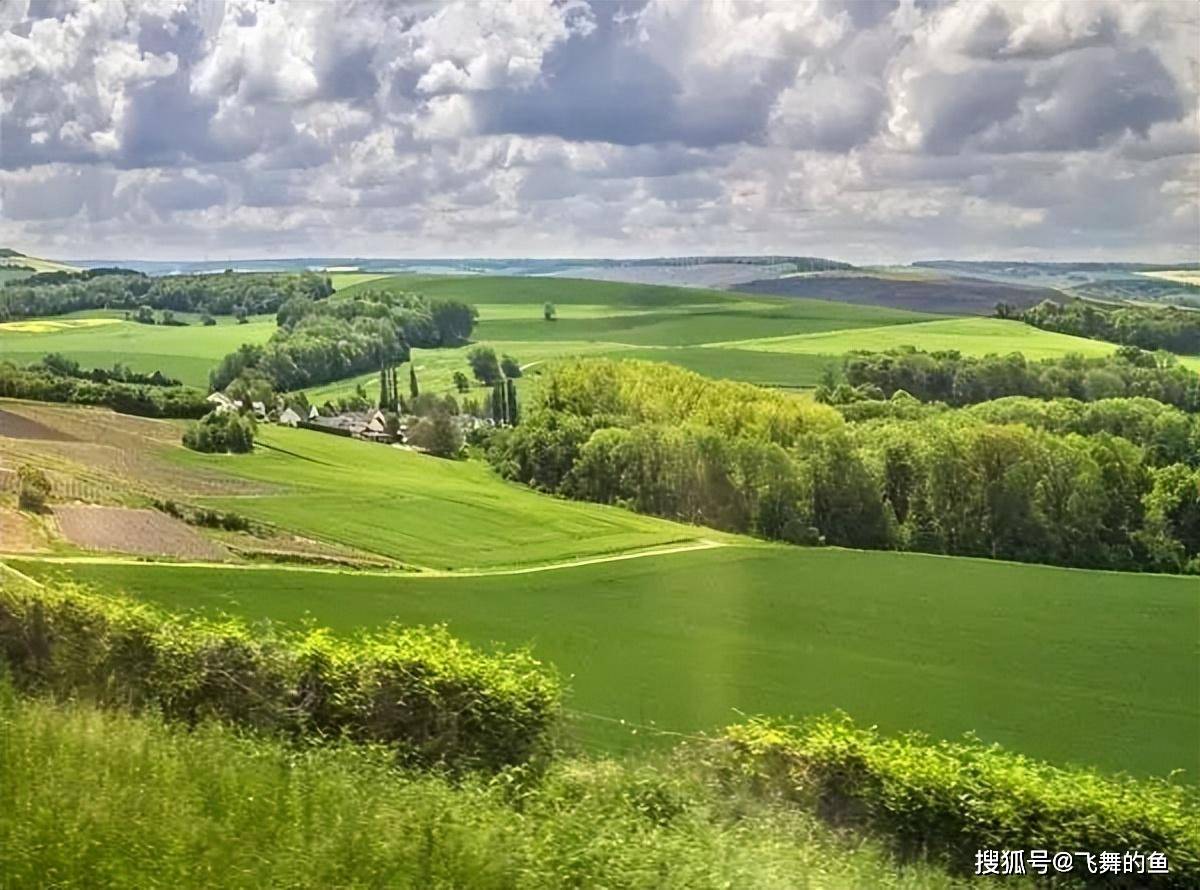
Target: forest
x,y
663,441
964,380
322,340
1147,327
57,293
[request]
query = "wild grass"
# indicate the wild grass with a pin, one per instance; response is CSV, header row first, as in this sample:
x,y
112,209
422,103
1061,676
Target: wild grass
x,y
93,799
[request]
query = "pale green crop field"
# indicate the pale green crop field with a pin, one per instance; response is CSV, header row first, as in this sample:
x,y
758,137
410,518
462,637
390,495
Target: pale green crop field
x,y
421,510
186,353
970,336
344,280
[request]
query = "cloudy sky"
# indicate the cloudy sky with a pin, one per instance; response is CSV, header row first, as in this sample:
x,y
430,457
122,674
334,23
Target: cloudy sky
x,y
866,130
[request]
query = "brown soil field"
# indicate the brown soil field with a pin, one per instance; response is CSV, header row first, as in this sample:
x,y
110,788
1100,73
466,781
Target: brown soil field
x,y
145,532
18,534
284,547
101,456
17,426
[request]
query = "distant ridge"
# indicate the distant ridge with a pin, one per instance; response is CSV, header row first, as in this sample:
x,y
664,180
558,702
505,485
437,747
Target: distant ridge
x,y
17,261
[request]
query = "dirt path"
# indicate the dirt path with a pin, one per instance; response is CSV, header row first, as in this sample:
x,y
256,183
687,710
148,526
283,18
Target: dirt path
x,y
702,544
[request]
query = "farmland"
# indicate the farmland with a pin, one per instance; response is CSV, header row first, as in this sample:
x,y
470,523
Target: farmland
x,y
970,336
708,624
99,339
1068,665
918,289
772,341
1179,276
418,509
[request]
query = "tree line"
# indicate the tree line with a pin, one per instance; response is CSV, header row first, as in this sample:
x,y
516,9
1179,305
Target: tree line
x,y
243,293
56,363
1166,434
661,440
318,341
43,384
957,379
1147,327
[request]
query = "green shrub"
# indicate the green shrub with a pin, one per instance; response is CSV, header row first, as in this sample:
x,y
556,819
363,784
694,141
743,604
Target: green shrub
x,y
221,432
33,488
146,399
948,799
434,700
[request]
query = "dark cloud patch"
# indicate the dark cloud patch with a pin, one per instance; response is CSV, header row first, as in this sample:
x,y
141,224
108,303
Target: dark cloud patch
x,y
952,108
594,87
182,193
1089,97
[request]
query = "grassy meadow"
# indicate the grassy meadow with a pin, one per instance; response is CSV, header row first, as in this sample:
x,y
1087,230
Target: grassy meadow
x,y
99,339
421,510
96,798
1067,665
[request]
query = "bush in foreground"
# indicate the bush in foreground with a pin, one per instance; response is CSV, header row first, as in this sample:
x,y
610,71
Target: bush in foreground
x,y
948,799
432,699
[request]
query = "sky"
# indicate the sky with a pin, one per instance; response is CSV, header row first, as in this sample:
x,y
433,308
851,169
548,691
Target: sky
x,y
862,130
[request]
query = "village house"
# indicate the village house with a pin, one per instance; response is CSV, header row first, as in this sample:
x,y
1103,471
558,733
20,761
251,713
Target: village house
x,y
220,402
371,426
289,417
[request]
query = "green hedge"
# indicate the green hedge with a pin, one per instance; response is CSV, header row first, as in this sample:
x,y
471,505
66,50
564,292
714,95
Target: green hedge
x,y
948,799
437,701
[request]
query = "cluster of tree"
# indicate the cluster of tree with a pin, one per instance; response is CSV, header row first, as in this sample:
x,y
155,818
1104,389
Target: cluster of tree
x,y
56,293
1147,327
221,432
663,441
320,341
1166,434
490,369
167,318
146,400
964,380
437,432
57,363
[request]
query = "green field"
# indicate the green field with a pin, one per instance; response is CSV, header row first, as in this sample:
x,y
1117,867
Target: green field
x,y
421,510
970,336
345,280
95,341
1088,667
625,320
502,289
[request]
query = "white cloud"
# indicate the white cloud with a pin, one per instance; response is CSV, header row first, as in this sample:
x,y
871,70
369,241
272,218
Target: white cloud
x,y
859,130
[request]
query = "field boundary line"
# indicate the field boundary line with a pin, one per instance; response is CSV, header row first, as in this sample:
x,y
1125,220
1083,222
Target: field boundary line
x,y
694,546
21,575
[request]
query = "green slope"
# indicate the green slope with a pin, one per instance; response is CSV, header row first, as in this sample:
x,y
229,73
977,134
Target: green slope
x,y
1068,665
421,510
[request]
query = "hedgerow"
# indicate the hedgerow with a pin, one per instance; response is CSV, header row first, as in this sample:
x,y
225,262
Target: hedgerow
x,y
946,800
435,700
